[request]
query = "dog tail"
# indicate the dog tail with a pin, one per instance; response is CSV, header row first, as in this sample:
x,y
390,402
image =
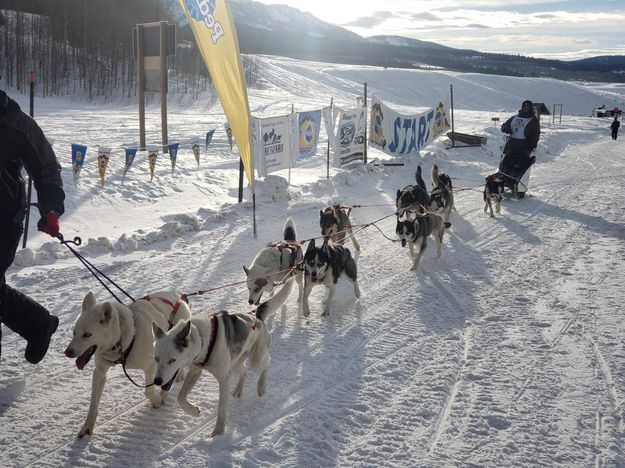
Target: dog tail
x,y
269,307
419,179
435,180
289,230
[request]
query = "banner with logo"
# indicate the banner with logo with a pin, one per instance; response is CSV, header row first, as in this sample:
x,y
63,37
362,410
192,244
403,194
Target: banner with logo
x,y
173,154
272,143
104,154
196,152
130,157
350,137
216,36
209,138
152,156
308,125
78,159
398,134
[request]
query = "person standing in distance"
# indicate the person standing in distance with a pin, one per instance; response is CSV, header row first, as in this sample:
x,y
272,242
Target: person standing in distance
x,y
614,127
23,144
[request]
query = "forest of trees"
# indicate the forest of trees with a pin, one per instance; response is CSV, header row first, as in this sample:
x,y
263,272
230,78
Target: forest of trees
x,y
84,48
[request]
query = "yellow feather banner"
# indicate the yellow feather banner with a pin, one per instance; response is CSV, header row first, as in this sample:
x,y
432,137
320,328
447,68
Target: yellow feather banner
x,y
213,27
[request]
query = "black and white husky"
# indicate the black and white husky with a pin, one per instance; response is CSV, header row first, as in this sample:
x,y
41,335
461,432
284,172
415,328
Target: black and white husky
x,y
325,265
222,344
335,225
416,231
271,265
493,193
413,198
441,199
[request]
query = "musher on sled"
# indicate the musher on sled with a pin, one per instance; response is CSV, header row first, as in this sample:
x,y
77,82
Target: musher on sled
x,y
524,131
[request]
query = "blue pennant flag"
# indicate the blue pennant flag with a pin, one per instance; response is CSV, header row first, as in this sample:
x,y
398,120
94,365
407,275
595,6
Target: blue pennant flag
x,y
209,138
130,157
173,154
78,158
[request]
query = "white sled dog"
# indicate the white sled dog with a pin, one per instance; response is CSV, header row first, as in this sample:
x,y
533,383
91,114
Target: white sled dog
x,y
442,196
221,344
324,265
269,265
115,334
416,231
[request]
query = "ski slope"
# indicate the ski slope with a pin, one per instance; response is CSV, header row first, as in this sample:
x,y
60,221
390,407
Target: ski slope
x,y
509,350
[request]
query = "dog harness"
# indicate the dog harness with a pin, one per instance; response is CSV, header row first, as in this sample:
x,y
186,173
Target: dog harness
x,y
213,338
174,307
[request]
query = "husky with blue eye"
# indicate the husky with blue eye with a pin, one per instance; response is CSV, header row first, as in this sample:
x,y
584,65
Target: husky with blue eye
x,y
325,265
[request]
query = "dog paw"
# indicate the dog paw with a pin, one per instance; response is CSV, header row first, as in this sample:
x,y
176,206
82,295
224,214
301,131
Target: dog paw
x,y
191,410
163,396
237,393
156,401
217,431
86,430
325,313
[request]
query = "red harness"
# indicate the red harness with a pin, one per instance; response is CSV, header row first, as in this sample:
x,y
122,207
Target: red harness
x,y
174,307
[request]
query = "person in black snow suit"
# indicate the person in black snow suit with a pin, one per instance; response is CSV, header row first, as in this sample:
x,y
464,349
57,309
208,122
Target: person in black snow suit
x,y
614,127
524,131
23,144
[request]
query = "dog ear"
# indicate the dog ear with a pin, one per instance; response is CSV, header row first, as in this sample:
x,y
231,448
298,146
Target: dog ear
x,y
107,313
311,245
398,194
321,213
89,301
246,270
181,338
158,333
325,246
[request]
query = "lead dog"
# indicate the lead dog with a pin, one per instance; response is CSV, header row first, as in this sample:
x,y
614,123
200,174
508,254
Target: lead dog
x,y
115,334
441,199
412,199
271,264
221,344
335,225
493,193
325,265
416,231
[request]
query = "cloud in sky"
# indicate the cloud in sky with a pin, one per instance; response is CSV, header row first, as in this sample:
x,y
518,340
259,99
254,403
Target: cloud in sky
x,y
562,25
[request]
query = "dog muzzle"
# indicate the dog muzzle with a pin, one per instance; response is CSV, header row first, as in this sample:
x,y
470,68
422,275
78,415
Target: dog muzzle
x,y
403,242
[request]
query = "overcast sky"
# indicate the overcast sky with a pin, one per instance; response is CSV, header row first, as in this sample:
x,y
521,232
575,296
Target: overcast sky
x,y
562,29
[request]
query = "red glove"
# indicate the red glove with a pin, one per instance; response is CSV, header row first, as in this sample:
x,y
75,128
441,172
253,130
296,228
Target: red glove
x,y
49,224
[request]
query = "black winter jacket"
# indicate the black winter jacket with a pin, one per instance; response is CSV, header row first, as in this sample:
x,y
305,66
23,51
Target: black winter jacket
x,y
615,125
532,135
23,144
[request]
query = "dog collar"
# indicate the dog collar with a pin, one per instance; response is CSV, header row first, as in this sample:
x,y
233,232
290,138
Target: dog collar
x,y
174,307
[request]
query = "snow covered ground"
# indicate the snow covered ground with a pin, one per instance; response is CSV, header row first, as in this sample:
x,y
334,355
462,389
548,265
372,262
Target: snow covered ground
x,y
509,350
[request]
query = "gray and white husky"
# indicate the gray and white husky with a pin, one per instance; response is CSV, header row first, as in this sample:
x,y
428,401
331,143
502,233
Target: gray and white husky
x,y
324,265
270,264
221,344
442,196
493,193
335,225
117,333
412,199
416,231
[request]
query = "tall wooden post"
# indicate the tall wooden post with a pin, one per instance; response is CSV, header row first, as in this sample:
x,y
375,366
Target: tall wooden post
x,y
141,85
329,136
163,52
453,137
365,142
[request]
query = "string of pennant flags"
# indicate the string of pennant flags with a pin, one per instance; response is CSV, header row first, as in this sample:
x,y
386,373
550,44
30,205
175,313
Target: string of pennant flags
x,y
278,142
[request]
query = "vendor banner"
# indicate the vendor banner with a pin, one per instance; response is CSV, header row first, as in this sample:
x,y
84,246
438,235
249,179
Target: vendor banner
x,y
399,134
308,124
78,159
272,143
152,156
350,137
130,157
104,154
173,154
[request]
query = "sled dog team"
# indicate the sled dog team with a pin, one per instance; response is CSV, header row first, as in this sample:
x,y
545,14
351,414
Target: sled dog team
x,y
158,335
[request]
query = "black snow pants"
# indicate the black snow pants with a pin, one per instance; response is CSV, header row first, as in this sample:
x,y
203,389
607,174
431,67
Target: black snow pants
x,y
17,311
515,164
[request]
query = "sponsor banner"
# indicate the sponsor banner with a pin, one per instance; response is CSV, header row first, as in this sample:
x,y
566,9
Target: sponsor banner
x,y
399,135
196,152
272,143
152,156
173,154
130,158
329,120
350,137
209,138
78,158
104,154
216,36
308,124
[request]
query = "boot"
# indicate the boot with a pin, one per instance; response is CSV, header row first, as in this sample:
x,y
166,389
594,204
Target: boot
x,y
37,349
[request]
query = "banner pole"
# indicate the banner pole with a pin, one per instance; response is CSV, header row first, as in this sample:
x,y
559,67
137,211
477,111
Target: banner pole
x,y
30,181
328,152
365,142
453,135
141,86
240,179
254,211
292,111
